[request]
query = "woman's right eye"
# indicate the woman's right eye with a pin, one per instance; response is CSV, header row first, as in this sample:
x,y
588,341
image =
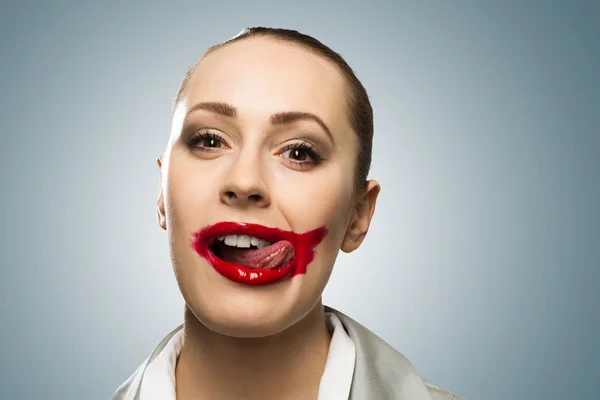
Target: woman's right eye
x,y
207,141
210,142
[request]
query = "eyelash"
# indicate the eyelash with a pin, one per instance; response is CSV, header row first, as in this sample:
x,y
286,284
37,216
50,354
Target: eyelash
x,y
200,136
309,149
306,147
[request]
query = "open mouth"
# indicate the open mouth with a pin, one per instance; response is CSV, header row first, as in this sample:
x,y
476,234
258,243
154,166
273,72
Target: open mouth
x,y
253,254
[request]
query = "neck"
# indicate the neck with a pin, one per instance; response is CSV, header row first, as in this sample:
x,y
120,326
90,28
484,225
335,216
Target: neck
x,y
286,365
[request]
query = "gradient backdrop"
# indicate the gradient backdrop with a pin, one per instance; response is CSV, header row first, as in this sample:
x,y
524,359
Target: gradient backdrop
x,y
482,262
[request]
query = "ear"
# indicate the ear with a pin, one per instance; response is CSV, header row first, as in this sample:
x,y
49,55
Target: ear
x,y
160,203
361,217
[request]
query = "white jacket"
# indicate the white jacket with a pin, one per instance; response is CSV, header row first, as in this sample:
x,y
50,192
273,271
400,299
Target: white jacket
x,y
380,372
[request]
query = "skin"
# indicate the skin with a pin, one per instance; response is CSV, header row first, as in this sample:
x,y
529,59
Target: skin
x,y
236,337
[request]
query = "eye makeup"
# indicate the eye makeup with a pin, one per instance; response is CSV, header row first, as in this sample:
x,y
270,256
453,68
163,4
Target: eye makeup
x,y
301,153
206,139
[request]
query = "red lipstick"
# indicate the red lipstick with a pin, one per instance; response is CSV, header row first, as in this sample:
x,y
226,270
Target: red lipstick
x,y
303,243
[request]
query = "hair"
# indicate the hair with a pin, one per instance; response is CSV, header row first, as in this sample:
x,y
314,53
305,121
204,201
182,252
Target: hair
x,y
359,110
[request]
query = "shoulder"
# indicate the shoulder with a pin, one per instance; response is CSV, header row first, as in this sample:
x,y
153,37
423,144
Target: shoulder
x,y
383,370
128,390
439,393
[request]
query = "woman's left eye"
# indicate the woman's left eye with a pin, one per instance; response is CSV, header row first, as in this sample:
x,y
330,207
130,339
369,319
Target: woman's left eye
x,y
302,154
298,155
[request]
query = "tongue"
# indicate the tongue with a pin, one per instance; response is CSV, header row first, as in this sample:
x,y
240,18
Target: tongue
x,y
270,257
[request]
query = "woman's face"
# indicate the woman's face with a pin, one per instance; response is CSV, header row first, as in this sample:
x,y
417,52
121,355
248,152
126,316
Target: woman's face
x,y
230,160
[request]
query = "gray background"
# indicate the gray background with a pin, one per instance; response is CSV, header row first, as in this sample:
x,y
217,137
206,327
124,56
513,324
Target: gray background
x,y
482,262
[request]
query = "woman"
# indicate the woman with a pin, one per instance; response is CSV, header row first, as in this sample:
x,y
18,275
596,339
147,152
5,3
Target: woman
x,y
263,181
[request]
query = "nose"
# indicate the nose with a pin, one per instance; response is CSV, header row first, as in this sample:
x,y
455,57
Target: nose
x,y
244,185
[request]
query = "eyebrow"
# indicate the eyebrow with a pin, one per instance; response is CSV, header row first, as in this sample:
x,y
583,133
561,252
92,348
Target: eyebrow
x,y
280,118
218,108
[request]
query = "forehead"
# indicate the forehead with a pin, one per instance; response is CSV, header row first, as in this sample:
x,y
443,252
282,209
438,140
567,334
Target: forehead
x,y
261,76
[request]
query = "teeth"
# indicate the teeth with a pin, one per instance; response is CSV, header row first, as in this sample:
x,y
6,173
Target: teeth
x,y
231,240
244,241
263,243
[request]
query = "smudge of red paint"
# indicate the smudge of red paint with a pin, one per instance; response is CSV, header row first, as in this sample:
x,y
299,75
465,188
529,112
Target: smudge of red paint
x,y
304,247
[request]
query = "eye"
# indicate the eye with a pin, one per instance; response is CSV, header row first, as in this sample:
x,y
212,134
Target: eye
x,y
298,155
207,141
302,154
211,142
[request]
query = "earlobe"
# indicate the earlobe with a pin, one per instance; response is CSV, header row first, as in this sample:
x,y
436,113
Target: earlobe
x,y
362,216
160,203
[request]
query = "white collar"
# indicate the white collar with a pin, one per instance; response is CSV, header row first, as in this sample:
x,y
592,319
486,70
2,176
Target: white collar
x,y
158,382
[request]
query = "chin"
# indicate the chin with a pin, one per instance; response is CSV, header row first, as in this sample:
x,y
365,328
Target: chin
x,y
230,318
249,312
244,311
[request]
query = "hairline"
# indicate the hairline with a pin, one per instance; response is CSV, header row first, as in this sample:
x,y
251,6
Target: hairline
x,y
348,94
352,91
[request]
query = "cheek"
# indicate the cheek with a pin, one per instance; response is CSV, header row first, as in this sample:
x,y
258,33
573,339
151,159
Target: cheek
x,y
321,200
189,190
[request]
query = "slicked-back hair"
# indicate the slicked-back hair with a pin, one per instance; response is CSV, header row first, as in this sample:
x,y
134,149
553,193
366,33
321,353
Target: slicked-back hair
x,y
359,110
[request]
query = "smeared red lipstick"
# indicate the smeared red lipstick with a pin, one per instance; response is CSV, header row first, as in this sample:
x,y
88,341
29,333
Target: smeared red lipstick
x,y
303,243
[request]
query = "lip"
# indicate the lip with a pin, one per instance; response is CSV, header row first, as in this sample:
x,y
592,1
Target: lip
x,y
304,245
